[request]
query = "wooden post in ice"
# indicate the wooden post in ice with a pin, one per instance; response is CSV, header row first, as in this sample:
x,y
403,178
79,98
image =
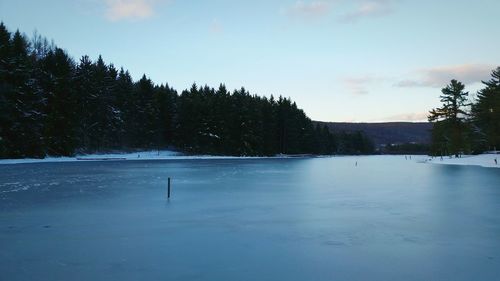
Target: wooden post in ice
x,y
168,189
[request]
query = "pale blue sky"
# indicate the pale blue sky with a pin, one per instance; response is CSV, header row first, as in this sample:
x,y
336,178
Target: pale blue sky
x,y
340,60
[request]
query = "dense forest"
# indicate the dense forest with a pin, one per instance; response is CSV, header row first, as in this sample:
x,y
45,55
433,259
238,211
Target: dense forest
x,y
52,105
464,125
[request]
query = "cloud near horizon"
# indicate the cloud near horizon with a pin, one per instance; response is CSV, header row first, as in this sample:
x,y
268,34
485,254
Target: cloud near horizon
x,y
408,117
438,77
358,85
117,10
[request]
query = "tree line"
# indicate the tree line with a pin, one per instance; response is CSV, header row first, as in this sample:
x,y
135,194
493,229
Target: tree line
x,y
52,105
464,125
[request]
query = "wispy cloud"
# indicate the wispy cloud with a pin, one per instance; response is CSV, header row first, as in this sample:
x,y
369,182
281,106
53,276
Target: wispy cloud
x,y
359,85
117,10
216,27
408,117
309,9
439,77
346,11
367,9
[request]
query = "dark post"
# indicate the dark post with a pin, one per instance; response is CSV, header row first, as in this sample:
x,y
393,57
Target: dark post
x,y
168,191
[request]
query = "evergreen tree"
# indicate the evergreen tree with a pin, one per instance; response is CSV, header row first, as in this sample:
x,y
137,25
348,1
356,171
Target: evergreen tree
x,y
107,119
87,100
123,93
450,120
189,120
145,115
270,139
486,112
25,101
165,98
221,118
60,121
6,120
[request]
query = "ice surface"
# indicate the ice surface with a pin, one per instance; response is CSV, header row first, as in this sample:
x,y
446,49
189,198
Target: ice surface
x,y
250,219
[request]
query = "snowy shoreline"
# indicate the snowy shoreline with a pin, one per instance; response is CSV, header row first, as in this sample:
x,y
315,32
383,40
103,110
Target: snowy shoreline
x,y
135,156
483,160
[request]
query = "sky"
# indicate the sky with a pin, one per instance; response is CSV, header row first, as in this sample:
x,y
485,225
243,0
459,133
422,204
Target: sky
x,y
340,60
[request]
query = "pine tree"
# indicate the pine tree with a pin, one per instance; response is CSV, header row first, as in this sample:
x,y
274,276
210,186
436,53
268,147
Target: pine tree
x,y
6,105
87,101
107,118
124,103
165,98
187,136
25,101
270,144
450,119
60,121
486,111
145,115
220,120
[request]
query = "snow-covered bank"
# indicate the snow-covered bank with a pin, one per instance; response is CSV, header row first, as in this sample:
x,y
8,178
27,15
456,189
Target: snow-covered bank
x,y
484,160
142,155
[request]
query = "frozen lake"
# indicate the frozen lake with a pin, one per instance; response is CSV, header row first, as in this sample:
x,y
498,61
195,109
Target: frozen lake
x,y
250,219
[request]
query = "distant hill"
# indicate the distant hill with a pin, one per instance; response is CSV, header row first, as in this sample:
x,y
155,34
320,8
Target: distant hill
x,y
387,133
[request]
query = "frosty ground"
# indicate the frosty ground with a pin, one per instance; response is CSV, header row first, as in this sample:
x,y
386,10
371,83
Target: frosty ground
x,y
249,219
